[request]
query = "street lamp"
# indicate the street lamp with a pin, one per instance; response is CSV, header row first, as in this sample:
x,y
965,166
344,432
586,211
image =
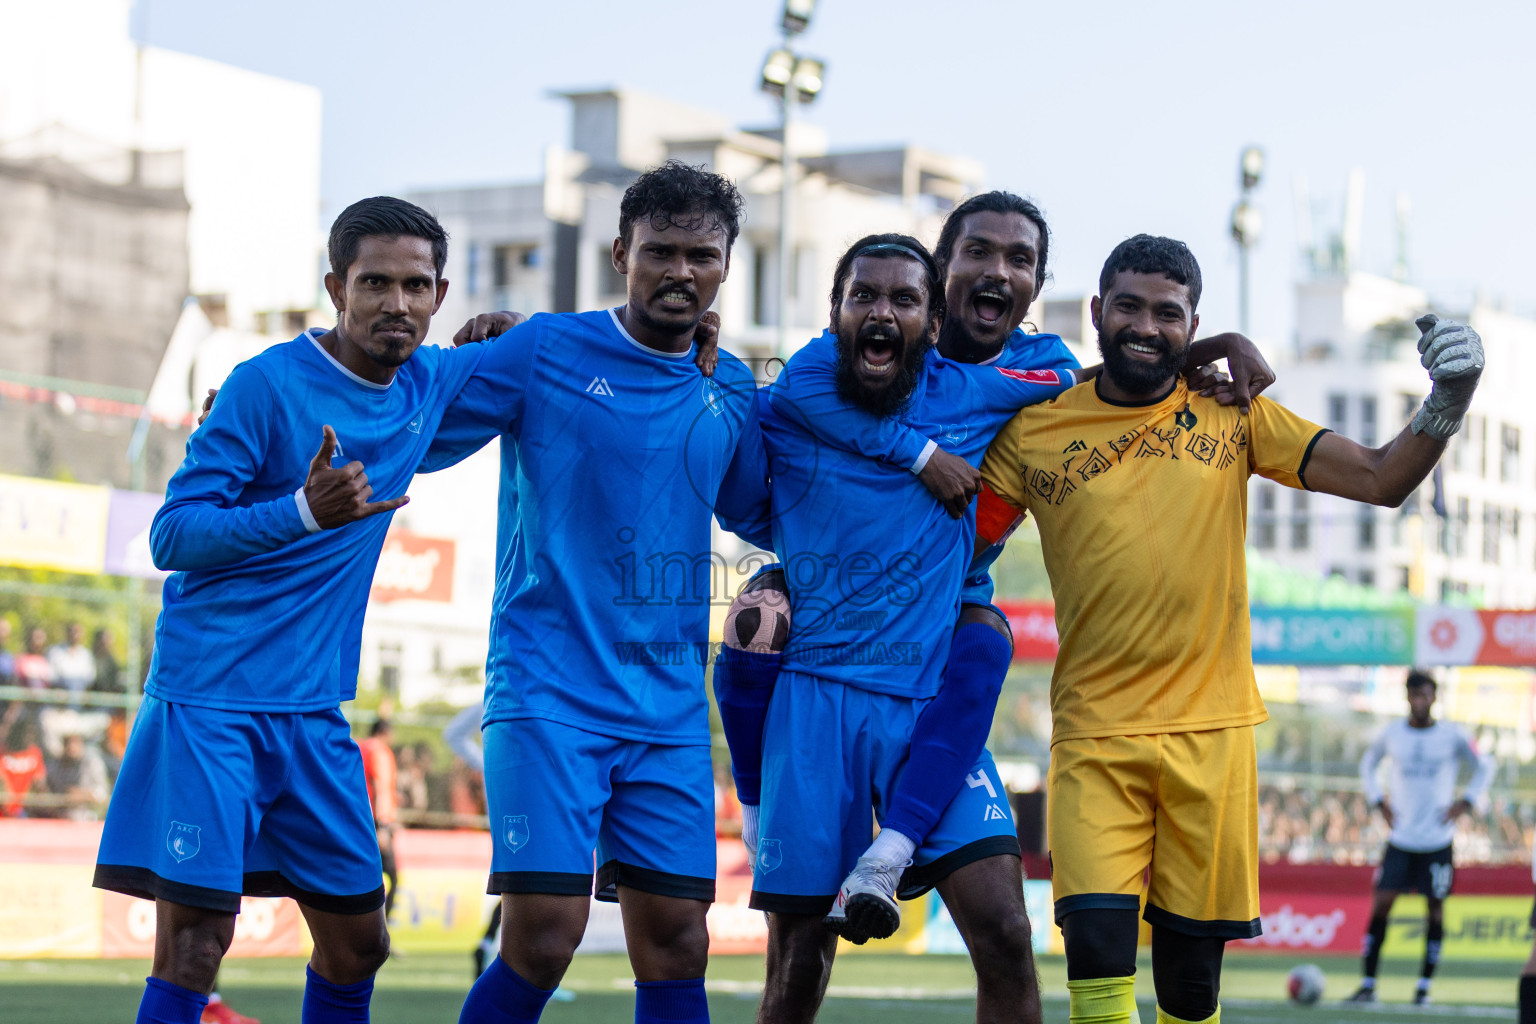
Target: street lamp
x,y
1246,225
792,78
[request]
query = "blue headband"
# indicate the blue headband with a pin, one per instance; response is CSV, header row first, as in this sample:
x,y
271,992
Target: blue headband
x,y
905,250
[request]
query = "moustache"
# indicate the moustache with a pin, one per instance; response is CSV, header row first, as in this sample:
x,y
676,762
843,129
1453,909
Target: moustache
x,y
693,296
393,323
1128,336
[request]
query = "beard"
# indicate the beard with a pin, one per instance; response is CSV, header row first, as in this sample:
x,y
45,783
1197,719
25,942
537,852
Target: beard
x,y
669,328
1132,375
888,400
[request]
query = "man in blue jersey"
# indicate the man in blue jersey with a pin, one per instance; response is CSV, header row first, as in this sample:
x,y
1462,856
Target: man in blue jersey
x,y
873,601
616,452
241,775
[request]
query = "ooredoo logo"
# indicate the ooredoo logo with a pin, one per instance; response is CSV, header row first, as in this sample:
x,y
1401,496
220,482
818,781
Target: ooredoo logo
x,y
1286,927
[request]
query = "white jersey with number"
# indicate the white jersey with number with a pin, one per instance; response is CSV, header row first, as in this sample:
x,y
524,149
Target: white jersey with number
x,y
1423,787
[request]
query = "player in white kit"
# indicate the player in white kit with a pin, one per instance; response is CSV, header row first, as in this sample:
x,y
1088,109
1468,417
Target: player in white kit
x,y
1421,810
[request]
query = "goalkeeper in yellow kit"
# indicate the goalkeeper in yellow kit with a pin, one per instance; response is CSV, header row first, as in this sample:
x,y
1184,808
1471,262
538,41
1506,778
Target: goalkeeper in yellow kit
x,y
1153,697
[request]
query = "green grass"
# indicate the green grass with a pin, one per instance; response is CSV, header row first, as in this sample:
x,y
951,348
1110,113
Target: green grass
x,y
865,990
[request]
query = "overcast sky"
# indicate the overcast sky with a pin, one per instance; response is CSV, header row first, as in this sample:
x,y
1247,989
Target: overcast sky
x,y
1117,117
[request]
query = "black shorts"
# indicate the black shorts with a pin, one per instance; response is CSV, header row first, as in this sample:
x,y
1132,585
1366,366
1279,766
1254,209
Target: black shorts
x,y
1431,873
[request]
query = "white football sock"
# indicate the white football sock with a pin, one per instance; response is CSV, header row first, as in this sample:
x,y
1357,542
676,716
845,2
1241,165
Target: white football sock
x,y
891,849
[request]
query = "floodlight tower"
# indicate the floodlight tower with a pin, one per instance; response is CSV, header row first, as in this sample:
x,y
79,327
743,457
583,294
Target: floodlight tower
x,y
1246,225
794,79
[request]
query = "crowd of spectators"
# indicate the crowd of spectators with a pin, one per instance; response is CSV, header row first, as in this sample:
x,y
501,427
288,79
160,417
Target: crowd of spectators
x,y
1337,826
59,753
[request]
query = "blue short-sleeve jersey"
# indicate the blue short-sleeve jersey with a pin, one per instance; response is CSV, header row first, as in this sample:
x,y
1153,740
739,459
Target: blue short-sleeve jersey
x,y
874,564
260,614
614,457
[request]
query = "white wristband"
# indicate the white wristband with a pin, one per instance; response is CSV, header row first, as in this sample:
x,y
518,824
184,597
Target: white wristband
x,y
923,457
304,513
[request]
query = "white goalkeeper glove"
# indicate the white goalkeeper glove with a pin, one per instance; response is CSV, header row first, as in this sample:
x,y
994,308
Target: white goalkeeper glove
x,y
1453,355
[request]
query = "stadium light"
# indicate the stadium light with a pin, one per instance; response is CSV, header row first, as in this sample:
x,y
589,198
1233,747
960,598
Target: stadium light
x,y
778,71
797,15
1246,224
807,77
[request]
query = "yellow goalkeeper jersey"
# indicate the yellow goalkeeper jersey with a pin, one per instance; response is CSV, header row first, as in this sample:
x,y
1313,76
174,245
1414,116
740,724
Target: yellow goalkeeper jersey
x,y
1142,511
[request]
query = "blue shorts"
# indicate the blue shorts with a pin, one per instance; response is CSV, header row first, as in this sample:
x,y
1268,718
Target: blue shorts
x,y
211,804
977,590
556,793
831,757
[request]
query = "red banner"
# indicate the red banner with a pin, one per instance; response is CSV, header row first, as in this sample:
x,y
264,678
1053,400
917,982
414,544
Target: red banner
x,y
414,568
1467,636
1034,629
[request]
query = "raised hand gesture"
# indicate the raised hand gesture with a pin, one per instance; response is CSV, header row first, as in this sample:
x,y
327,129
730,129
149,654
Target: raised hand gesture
x,y
339,495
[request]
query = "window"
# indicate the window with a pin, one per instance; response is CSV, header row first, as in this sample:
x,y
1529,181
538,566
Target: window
x,y
1368,421
762,302
1367,577
1301,534
1365,529
1338,414
1264,534
1267,498
1493,532
1299,502
1461,527
1404,577
1509,454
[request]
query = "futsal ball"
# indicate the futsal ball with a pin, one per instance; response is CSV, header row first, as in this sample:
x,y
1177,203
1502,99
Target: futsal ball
x,y
1305,984
759,617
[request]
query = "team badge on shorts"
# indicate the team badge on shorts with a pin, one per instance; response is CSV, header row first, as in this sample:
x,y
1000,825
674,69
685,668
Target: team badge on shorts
x,y
514,831
769,855
183,841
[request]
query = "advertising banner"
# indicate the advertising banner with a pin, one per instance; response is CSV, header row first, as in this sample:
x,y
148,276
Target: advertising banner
x,y
48,525
414,568
1034,629
1469,636
1342,636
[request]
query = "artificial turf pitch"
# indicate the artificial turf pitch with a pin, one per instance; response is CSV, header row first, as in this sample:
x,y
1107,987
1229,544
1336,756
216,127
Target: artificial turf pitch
x,y
868,989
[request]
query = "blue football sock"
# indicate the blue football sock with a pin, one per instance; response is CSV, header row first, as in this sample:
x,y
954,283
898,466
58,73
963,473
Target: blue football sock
x,y
328,1003
743,687
671,1002
502,996
951,731
165,1003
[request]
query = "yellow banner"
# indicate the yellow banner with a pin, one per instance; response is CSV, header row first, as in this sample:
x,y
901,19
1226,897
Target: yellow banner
x,y
1476,928
48,525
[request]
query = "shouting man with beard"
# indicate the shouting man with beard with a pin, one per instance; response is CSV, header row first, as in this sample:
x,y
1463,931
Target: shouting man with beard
x,y
874,569
1153,698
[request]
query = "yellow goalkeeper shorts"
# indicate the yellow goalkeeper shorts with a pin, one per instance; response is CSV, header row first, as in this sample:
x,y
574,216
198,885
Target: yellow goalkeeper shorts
x,y
1182,806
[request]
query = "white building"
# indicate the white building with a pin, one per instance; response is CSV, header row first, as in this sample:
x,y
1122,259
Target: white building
x,y
546,245
72,80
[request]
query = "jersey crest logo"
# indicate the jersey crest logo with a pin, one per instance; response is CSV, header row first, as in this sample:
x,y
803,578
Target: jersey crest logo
x,y
1031,376
954,436
712,400
415,425
599,386
1185,418
769,855
183,841
994,813
514,831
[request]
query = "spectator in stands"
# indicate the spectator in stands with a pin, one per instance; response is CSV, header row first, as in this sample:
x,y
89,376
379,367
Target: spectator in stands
x,y
80,777
33,669
114,742
379,772
109,672
74,667
21,768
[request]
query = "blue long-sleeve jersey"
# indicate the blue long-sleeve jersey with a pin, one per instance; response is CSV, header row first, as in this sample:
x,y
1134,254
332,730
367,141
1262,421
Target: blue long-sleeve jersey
x,y
260,613
614,457
874,564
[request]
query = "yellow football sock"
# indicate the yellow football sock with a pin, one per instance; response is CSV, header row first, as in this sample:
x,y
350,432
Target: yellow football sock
x,y
1164,1017
1103,1001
